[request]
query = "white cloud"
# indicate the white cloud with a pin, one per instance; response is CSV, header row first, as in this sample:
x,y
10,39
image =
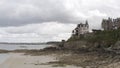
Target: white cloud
x,y
36,32
97,13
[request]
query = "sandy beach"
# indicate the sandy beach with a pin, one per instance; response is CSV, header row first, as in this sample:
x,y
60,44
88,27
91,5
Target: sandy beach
x,y
18,60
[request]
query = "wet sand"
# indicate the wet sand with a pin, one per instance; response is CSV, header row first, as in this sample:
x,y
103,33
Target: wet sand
x,y
18,60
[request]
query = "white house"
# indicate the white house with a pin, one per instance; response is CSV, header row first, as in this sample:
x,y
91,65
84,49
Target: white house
x,y
81,29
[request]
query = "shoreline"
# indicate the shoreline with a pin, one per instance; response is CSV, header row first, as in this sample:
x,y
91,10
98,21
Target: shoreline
x,y
19,60
65,58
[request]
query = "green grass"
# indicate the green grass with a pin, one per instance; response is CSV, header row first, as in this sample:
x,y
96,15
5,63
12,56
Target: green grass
x,y
107,37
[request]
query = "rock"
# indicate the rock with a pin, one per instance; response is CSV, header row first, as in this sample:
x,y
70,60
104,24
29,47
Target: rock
x,y
116,46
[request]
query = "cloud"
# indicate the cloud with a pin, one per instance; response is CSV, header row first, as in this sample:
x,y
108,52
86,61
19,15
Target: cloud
x,y
38,20
36,32
17,13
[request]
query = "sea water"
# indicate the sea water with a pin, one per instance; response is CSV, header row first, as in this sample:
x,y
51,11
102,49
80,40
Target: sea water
x,y
15,47
4,56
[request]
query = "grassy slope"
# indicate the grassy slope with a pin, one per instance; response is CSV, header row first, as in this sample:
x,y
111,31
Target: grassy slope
x,y
107,38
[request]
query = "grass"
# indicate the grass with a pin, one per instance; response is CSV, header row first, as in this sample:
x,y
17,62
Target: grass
x,y
106,38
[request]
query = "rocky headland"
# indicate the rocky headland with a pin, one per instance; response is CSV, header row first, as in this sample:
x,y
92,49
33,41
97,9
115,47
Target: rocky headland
x,y
98,49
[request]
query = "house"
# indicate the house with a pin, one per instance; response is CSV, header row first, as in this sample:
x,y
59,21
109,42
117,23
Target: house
x,y
81,29
110,24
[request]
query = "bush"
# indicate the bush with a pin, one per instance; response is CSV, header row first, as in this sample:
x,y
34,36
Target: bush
x,y
105,37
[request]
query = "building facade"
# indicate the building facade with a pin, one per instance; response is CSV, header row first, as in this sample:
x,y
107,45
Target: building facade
x,y
81,29
111,24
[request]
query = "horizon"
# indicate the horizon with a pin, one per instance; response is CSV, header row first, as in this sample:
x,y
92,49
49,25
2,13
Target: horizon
x,y
28,42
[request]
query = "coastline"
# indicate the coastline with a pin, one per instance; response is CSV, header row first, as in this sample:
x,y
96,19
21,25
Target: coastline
x,y
60,59
50,57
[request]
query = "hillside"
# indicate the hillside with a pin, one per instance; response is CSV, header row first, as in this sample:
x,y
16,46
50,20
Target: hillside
x,y
100,39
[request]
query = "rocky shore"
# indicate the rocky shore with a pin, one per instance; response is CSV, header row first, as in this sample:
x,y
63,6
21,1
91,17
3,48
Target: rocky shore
x,y
80,58
95,50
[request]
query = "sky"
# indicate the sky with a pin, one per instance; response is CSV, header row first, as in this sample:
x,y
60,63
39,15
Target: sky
x,y
51,20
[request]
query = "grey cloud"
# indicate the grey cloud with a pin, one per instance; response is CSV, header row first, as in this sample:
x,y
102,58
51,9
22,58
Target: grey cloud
x,y
36,32
15,13
23,12
44,20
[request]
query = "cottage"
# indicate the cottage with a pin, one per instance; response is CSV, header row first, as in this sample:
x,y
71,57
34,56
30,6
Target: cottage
x,y
81,29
